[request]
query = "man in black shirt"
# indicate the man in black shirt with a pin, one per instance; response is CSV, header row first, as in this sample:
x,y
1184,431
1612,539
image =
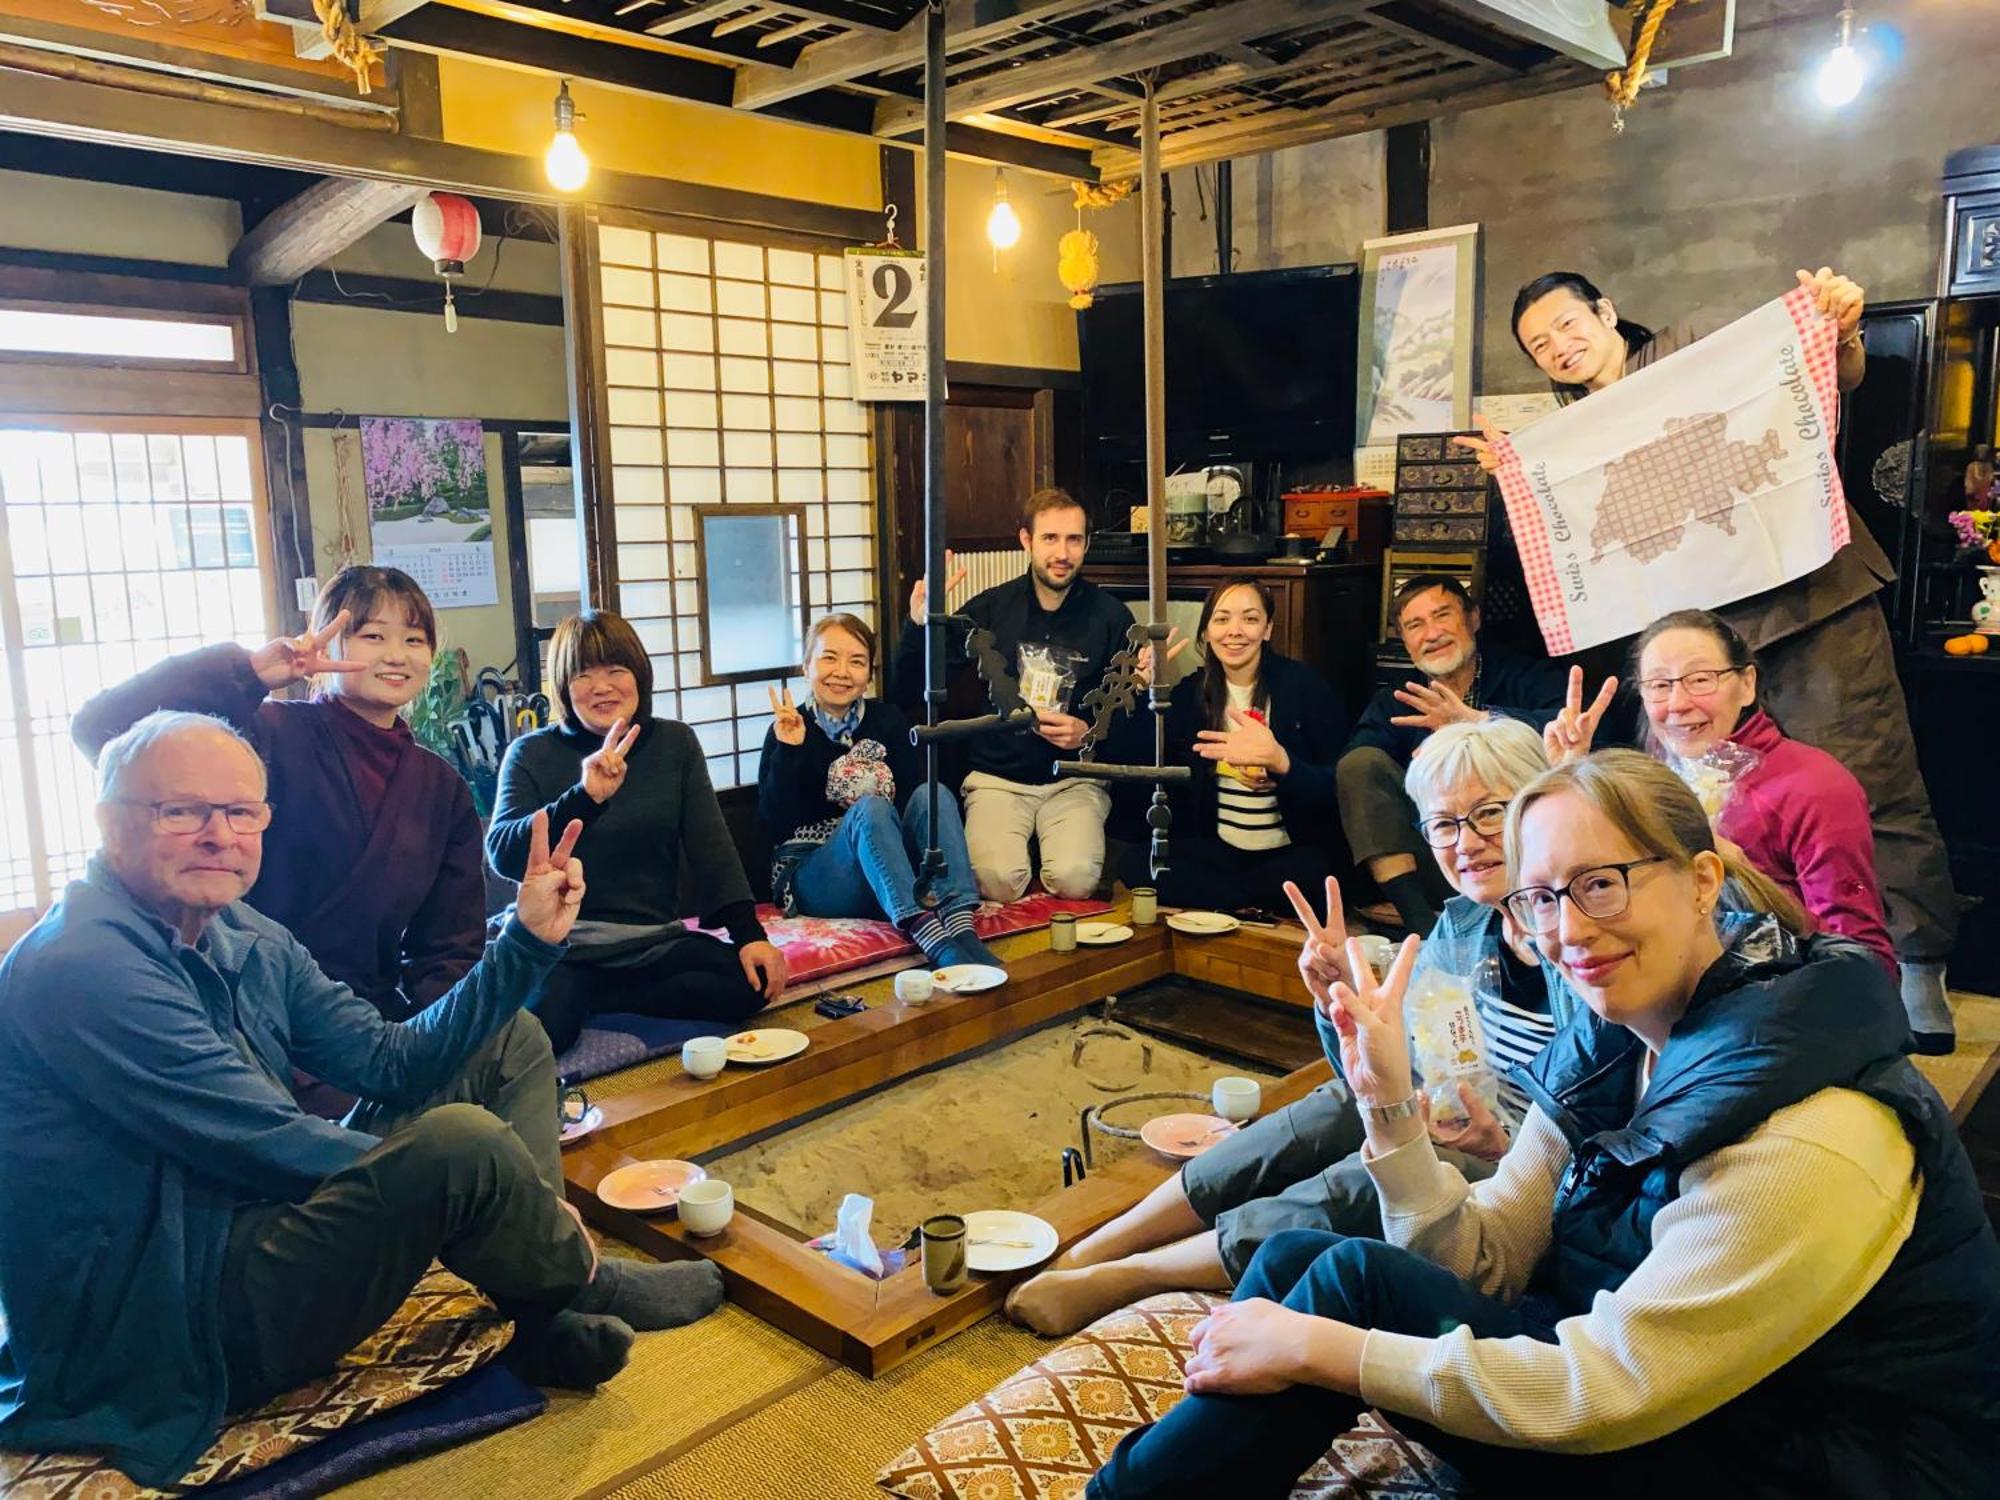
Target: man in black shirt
x,y
1058,631
1439,625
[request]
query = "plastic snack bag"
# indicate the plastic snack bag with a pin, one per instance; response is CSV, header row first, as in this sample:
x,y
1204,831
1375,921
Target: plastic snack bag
x,y
1447,1040
1712,775
1048,675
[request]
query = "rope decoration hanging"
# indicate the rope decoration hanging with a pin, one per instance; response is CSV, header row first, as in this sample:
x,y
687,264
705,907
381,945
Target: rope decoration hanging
x,y
350,48
1076,252
1623,84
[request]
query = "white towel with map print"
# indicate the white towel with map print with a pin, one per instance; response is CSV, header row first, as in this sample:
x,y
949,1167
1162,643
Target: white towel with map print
x,y
1699,480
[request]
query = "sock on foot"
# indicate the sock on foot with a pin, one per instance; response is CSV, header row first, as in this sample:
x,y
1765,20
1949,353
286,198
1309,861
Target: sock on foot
x,y
1413,902
572,1350
1925,1004
652,1296
926,930
967,949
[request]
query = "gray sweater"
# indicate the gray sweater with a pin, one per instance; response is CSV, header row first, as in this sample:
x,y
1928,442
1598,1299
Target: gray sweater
x,y
632,845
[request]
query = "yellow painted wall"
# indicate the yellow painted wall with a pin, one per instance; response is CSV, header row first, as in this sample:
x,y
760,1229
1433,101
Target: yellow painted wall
x,y
504,109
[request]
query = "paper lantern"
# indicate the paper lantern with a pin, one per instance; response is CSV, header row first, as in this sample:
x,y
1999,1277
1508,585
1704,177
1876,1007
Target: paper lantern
x,y
447,230
1076,264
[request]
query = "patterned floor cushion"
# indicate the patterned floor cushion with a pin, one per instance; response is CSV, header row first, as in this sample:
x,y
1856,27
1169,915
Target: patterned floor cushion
x,y
1041,1434
444,1330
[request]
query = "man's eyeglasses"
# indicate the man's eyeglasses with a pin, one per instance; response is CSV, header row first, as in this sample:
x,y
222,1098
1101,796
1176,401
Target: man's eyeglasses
x,y
1488,820
1601,892
1698,684
192,817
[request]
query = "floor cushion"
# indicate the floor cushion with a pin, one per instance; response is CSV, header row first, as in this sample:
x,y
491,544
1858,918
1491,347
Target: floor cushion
x,y
443,1332
1040,1434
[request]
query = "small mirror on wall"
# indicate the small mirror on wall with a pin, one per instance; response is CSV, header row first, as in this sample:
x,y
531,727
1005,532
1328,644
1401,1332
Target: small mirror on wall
x,y
751,560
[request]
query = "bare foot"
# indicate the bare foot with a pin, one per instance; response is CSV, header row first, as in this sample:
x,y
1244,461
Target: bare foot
x,y
1060,1302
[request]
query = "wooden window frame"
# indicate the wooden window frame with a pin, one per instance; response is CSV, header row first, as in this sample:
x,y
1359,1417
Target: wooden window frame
x,y
703,514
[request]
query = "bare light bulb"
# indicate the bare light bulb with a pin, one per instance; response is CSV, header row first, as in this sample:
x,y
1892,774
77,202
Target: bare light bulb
x,y
1003,225
565,163
1841,75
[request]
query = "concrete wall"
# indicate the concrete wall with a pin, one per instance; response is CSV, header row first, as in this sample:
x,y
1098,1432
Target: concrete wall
x,y
1728,178
1303,206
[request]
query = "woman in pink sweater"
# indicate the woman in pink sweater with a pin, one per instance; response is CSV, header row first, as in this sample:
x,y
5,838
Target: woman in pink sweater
x,y
1795,811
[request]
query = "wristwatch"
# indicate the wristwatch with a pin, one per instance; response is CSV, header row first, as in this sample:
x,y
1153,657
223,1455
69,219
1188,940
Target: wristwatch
x,y
1382,1114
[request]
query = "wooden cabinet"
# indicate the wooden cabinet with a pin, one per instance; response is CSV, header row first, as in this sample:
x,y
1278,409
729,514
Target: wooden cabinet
x,y
1325,614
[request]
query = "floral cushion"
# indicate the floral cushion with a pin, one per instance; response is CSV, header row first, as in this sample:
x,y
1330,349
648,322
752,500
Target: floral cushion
x,y
819,947
443,1330
1041,1434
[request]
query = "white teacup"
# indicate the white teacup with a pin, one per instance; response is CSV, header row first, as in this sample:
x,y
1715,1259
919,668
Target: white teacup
x,y
703,1056
706,1207
1379,952
1236,1099
915,985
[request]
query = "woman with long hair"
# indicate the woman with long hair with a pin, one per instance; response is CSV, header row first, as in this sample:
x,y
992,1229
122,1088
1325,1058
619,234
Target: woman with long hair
x,y
841,797
640,787
1736,1241
372,856
1263,732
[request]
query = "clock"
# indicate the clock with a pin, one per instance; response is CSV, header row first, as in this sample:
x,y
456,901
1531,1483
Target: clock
x,y
1224,488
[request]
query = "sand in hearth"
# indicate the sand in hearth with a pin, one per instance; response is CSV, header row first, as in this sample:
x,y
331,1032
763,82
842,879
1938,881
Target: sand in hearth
x,y
984,1133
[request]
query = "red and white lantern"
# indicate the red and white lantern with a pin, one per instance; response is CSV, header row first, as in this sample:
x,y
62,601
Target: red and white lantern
x,y
446,227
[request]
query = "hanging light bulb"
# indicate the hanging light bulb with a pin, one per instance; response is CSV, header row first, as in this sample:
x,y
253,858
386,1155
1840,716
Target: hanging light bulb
x,y
1841,75
567,166
1003,225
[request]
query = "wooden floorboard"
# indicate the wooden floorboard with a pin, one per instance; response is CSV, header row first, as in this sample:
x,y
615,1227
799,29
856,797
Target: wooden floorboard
x,y
1258,1030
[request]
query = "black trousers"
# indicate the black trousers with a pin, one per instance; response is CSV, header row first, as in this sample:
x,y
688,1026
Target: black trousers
x,y
471,1177
696,978
1204,871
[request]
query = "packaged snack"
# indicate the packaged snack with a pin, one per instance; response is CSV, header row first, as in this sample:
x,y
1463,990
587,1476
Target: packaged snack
x,y
1712,776
1048,675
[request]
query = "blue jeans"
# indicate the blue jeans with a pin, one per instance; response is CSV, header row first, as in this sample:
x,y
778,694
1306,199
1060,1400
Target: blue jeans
x,y
1256,1446
868,867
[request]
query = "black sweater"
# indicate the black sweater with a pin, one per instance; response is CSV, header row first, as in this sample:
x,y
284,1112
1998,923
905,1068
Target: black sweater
x,y
1090,622
1306,716
791,787
632,845
1520,687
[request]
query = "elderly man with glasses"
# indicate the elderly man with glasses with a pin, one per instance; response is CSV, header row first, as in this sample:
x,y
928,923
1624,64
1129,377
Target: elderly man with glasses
x,y
178,1240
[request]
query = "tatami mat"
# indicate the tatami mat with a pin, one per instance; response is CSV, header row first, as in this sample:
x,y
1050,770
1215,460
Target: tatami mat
x,y
829,1440
1963,1075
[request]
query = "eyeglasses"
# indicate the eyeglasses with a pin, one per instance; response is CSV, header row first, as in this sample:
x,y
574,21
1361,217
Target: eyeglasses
x,y
1698,684
1601,892
1488,820
192,817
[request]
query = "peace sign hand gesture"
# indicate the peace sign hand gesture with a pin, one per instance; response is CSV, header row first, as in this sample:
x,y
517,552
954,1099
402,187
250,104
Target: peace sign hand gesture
x,y
1323,956
786,721
919,594
604,767
293,658
552,884
1368,1017
1567,736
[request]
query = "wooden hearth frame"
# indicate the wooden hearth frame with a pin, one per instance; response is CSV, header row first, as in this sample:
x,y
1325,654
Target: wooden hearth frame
x,y
874,1326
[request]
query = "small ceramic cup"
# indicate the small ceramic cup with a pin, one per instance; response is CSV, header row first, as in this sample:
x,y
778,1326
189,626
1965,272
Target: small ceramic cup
x,y
706,1207
914,986
1145,906
703,1056
1236,1099
943,1239
572,1107
1062,933
1379,952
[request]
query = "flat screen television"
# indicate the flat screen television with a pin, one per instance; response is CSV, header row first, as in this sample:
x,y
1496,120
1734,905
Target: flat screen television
x,y
1260,365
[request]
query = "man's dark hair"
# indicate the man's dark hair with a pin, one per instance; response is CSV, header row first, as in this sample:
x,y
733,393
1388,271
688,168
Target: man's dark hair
x,y
1423,583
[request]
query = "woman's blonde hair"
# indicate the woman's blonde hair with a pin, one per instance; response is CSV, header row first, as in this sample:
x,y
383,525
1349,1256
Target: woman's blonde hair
x,y
1655,811
1504,753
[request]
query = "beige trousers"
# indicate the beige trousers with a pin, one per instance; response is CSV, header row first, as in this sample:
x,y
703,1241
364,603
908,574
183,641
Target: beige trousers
x,y
1066,818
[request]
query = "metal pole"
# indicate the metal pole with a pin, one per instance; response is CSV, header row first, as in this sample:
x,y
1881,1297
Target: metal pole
x,y
1152,277
935,603
1225,217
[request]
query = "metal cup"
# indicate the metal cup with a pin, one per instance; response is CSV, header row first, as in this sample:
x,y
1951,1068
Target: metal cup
x,y
1145,906
944,1253
1062,932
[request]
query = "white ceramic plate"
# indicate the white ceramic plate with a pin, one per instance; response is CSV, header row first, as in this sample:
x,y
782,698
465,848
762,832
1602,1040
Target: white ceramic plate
x,y
1202,923
969,979
1102,934
998,1239
592,1118
768,1044
647,1187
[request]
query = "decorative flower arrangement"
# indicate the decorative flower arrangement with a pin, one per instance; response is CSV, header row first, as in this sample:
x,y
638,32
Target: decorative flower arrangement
x,y
1978,531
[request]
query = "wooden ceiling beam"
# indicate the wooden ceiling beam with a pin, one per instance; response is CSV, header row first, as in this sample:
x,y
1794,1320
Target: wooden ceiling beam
x,y
840,59
1216,27
698,15
308,231
1195,84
